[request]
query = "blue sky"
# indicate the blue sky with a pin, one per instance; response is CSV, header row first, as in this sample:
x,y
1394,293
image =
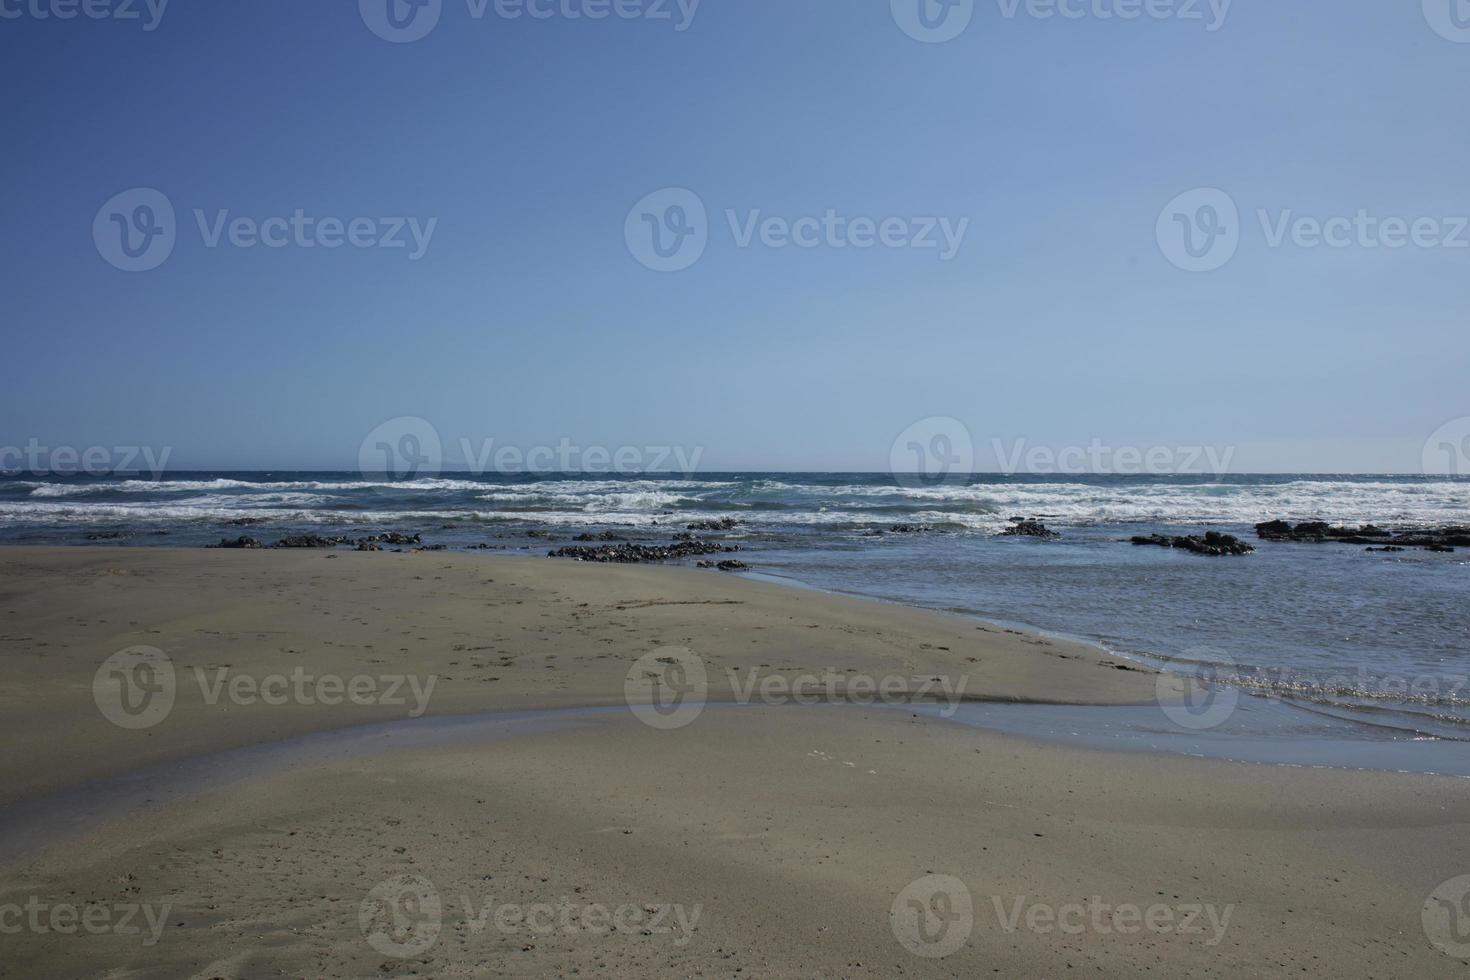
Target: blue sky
x,y
528,319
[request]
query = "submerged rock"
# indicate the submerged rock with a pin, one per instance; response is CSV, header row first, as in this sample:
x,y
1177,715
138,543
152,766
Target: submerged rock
x,y
722,524
728,565
914,529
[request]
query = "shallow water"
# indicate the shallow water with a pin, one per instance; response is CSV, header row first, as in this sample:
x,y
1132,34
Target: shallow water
x,y
31,825
1256,730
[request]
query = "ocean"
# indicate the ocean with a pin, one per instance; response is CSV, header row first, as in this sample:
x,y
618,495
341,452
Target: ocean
x,y
1381,641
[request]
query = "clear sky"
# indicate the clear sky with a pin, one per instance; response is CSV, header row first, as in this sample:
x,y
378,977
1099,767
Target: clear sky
x,y
1051,143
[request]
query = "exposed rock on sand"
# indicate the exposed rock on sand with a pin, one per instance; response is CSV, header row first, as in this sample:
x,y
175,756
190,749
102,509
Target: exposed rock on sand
x,y
625,554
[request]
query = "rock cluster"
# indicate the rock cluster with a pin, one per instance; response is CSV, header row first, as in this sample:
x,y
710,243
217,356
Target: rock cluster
x,y
372,542
1213,543
722,524
601,536
1021,527
1317,532
627,554
728,565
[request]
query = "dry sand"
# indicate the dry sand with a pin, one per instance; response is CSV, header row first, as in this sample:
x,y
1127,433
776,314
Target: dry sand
x,y
767,840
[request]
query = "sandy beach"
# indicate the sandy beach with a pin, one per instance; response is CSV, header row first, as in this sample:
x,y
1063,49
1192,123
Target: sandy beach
x,y
837,837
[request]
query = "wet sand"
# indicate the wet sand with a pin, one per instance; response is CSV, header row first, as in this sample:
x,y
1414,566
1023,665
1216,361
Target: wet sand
x,y
760,840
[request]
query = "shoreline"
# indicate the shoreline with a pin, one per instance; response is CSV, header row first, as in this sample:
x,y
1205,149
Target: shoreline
x,y
796,834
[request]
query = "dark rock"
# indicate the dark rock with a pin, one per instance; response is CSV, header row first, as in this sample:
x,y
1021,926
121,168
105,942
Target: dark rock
x,y
914,529
240,542
1439,547
245,521
723,524
1387,547
601,536
1213,543
1318,532
311,541
634,553
728,565
392,537
366,545
105,535
1029,529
